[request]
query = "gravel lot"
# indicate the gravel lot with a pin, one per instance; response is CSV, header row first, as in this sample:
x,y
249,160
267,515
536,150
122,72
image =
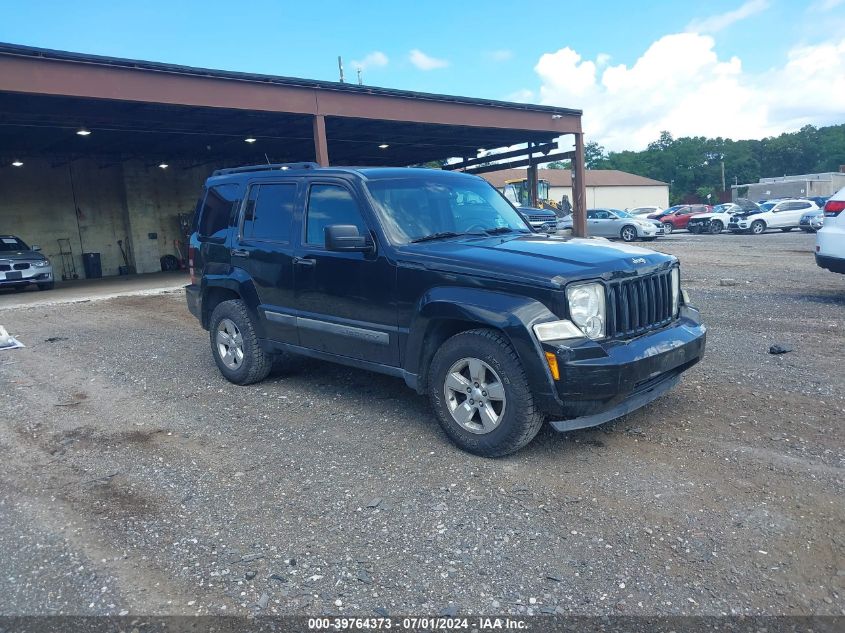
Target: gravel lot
x,y
134,478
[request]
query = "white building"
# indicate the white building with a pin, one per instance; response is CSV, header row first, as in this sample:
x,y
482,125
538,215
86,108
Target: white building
x,y
606,188
798,186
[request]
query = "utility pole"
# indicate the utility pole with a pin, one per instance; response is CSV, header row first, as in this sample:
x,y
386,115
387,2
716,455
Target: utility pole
x,y
360,78
723,175
340,67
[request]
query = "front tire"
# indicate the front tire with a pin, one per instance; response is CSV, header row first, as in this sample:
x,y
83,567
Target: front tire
x,y
716,227
758,227
497,416
234,344
628,233
668,227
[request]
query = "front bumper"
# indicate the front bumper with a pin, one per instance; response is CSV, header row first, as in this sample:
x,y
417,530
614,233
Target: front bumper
x,y
31,275
739,226
600,381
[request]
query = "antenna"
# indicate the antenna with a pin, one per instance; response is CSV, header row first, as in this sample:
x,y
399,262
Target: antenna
x,y
340,67
360,79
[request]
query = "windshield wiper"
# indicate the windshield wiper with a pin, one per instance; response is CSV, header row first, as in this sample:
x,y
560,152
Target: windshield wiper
x,y
499,229
441,235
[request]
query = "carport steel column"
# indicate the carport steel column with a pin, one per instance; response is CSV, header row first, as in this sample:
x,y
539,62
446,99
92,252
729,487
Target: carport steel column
x,y
321,146
579,189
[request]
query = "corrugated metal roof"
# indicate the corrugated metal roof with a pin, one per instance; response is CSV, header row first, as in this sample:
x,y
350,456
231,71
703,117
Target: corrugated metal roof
x,y
563,178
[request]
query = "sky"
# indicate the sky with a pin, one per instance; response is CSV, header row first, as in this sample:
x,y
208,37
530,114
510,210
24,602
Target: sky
x,y
730,68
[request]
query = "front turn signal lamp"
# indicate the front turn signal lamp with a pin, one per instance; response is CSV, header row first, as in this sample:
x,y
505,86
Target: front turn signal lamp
x,y
551,359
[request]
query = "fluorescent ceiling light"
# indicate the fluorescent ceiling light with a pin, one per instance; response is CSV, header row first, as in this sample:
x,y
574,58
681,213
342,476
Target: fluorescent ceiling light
x,y
83,132
383,146
163,165
250,140
17,163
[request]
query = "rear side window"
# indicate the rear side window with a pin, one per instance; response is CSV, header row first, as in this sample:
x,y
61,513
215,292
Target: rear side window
x,y
217,208
327,205
268,212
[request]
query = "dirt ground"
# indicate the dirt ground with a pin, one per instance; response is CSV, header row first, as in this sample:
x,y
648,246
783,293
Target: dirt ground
x,y
135,479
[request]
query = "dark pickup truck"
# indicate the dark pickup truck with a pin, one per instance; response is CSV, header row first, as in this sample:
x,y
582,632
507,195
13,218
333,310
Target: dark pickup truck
x,y
433,276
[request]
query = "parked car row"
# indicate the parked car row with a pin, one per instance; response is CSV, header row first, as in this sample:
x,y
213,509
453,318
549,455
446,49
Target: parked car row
x,y
650,222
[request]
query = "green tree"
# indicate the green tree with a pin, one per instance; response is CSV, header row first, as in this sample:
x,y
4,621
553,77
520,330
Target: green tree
x,y
594,155
693,163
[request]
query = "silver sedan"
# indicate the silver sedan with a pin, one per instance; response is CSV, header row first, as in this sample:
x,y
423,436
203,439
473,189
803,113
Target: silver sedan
x,y
615,223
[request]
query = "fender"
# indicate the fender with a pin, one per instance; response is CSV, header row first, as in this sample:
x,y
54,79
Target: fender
x,y
512,314
238,281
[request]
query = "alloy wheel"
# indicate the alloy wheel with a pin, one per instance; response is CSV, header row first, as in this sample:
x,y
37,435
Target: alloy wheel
x,y
475,395
230,344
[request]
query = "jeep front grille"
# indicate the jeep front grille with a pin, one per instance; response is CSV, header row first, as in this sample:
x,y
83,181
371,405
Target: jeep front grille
x,y
635,306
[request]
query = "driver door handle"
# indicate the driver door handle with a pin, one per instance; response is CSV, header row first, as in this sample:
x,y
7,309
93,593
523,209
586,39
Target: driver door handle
x,y
304,261
239,252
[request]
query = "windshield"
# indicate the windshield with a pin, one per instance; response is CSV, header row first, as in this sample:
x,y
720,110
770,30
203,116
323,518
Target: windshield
x,y
418,207
767,206
622,214
12,244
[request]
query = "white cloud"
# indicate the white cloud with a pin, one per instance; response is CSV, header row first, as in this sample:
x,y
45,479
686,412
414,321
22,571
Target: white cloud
x,y
680,84
376,59
501,55
426,62
721,21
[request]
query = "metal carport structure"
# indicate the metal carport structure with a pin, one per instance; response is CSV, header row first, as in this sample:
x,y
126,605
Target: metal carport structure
x,y
194,118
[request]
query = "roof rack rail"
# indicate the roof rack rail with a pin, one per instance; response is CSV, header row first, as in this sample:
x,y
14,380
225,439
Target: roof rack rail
x,y
267,167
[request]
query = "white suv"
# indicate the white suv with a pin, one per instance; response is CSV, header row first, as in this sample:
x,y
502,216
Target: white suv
x,y
830,240
776,214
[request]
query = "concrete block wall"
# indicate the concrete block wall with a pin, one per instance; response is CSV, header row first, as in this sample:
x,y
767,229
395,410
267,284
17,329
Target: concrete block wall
x,y
154,198
125,201
37,204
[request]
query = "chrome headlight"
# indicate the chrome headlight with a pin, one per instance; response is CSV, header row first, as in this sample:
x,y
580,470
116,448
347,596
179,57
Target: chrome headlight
x,y
587,308
41,263
676,291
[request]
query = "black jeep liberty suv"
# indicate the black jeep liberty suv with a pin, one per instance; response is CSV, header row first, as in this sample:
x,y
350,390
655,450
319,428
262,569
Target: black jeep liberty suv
x,y
433,276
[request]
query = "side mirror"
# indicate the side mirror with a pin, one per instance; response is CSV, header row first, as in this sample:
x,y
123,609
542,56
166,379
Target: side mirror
x,y
345,238
35,247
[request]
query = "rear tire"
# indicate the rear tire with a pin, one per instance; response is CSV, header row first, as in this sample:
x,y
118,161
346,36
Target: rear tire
x,y
758,227
484,358
716,227
234,344
668,227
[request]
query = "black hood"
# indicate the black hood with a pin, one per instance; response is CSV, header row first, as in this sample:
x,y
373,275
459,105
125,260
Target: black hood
x,y
539,259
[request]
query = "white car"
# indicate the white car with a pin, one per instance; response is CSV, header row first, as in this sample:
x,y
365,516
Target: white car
x,y
775,214
644,210
830,239
717,220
